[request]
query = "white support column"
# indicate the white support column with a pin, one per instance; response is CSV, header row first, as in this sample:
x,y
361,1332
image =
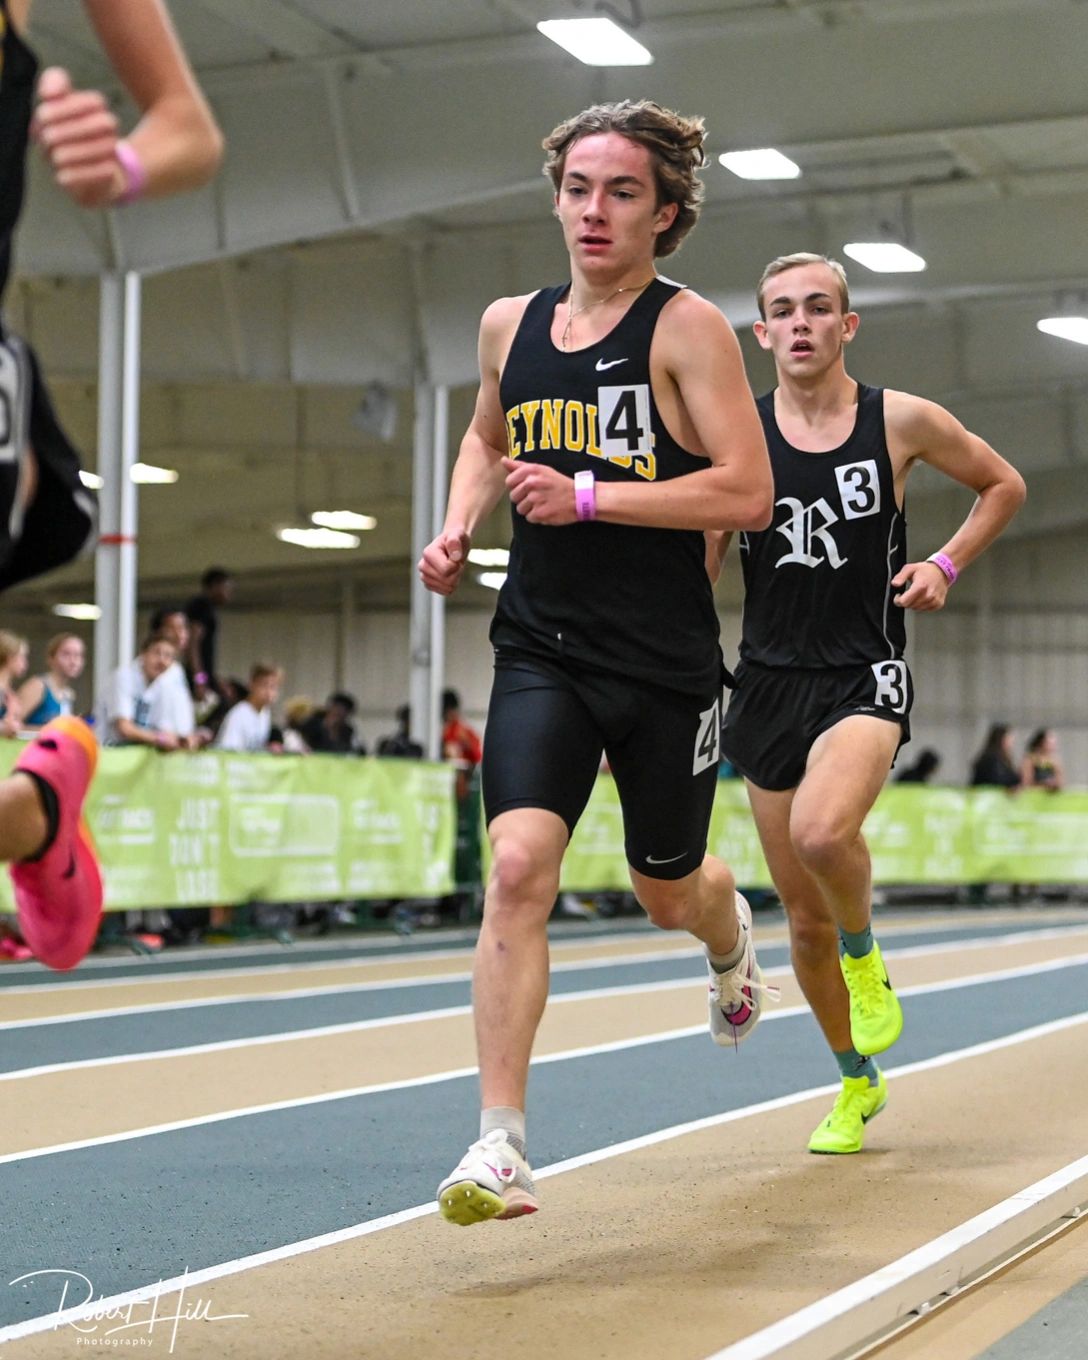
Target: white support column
x,y
439,490
420,687
345,623
118,445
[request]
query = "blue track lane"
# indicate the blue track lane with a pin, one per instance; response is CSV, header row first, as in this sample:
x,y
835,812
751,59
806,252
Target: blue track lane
x,y
129,1213
150,1032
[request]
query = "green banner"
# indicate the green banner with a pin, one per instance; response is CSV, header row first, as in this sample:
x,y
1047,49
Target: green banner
x,y
915,834
217,829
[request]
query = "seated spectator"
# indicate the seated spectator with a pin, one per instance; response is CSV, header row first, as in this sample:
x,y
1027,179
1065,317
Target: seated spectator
x,y
45,697
127,718
923,769
295,713
14,658
169,697
248,725
460,742
400,743
994,764
1041,767
330,730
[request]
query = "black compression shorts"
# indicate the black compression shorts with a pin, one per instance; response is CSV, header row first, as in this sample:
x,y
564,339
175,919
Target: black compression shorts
x,y
547,727
775,715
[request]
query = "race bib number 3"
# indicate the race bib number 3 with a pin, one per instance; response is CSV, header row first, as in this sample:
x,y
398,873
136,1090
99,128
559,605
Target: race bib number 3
x,y
891,685
859,489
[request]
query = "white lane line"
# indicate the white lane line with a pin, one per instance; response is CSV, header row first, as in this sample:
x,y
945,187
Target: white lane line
x,y
561,946
570,966
591,994
450,1074
863,1312
190,1279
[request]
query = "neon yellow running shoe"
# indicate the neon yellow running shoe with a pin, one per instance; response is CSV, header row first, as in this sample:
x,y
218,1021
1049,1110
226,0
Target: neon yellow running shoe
x,y
876,1018
844,1128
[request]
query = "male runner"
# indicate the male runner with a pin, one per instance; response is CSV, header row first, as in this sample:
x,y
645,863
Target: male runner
x,y
615,411
822,693
46,516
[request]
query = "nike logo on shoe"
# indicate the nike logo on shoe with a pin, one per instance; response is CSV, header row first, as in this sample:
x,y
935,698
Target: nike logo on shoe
x,y
601,365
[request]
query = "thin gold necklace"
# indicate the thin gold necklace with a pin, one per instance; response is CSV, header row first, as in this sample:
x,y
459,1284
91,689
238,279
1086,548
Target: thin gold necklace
x,y
564,339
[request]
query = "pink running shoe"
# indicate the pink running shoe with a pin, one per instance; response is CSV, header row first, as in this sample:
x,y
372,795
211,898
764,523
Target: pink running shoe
x,y
59,897
13,950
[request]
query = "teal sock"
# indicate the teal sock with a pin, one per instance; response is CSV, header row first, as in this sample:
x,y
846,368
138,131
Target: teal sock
x,y
857,943
854,1064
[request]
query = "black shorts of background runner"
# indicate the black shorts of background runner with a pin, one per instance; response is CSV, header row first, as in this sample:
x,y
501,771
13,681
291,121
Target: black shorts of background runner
x,y
547,728
775,714
61,520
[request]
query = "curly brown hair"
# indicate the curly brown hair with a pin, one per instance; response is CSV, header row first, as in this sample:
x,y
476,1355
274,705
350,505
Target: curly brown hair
x,y
675,144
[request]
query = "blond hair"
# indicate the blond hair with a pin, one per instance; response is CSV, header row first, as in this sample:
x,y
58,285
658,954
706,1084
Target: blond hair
x,y
675,144
57,641
261,670
11,644
795,261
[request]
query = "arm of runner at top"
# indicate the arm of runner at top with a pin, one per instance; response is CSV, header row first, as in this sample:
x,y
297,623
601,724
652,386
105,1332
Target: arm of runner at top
x,y
478,480
176,144
702,356
933,435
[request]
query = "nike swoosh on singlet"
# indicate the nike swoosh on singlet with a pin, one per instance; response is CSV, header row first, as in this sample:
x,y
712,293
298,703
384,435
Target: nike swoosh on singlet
x,y
601,365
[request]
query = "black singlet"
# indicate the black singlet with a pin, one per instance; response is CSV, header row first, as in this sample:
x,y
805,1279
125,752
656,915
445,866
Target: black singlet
x,y
818,582
614,597
18,69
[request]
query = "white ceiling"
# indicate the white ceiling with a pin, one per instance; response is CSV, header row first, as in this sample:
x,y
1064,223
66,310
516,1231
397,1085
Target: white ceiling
x,y
384,174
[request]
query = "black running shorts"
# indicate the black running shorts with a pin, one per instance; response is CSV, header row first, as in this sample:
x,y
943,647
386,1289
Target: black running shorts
x,y
548,726
775,715
62,518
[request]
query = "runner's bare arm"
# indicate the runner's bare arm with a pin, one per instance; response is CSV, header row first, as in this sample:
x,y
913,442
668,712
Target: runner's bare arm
x,y
920,430
478,478
717,545
176,141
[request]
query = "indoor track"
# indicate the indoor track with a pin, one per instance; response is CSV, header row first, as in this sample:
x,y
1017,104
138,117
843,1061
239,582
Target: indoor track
x,y
271,1124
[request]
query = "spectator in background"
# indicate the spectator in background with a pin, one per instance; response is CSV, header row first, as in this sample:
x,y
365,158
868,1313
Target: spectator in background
x,y
994,764
400,743
202,611
460,742
169,697
1041,767
923,769
330,730
14,658
295,713
248,725
127,719
45,697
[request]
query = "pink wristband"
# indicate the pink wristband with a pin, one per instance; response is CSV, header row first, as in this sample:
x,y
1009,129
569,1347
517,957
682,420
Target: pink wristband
x,y
945,563
585,495
133,170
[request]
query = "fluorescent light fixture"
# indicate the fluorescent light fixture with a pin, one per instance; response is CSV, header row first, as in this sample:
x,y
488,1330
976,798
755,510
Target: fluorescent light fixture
x,y
92,480
596,42
343,519
317,538
494,580
763,163
146,474
489,557
885,257
1066,327
77,611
